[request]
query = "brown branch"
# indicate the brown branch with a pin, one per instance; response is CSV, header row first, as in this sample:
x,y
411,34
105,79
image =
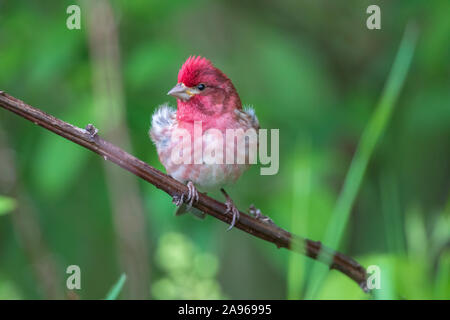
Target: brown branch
x,y
266,231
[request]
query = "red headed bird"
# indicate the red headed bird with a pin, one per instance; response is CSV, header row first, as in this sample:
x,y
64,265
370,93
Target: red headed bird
x,y
206,96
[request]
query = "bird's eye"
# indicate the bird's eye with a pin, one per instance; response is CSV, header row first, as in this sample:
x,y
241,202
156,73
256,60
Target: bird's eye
x,y
201,87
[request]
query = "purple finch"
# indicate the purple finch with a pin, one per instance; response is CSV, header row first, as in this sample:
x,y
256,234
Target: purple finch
x,y
205,97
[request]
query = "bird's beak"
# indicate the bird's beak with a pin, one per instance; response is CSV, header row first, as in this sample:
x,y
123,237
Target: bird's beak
x,y
180,91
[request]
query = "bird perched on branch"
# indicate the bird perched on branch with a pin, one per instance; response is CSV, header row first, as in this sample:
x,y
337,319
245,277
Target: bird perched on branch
x,y
205,97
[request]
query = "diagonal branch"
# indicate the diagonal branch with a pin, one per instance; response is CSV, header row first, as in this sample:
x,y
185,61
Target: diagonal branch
x,y
266,231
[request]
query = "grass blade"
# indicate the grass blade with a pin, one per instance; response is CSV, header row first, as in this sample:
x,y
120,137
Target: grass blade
x,y
299,216
367,143
117,288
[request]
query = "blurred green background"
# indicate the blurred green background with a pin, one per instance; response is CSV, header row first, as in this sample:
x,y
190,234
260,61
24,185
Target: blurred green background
x,y
310,68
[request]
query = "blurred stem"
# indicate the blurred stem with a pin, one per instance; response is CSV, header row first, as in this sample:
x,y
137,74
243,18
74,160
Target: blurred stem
x,y
393,230
28,229
367,143
416,233
301,188
109,105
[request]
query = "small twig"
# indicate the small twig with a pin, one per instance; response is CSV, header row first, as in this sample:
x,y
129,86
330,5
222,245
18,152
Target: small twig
x,y
258,228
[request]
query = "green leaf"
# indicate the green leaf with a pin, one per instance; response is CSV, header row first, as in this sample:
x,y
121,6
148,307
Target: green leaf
x,y
7,205
442,280
117,288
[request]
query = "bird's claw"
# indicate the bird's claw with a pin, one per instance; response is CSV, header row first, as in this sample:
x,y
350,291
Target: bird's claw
x,y
258,215
91,130
178,199
190,196
231,208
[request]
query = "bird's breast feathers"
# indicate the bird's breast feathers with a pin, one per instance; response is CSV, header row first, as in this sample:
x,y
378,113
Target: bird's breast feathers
x,y
206,173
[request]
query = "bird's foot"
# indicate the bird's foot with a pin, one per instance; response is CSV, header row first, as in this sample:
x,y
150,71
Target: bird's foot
x,y
189,197
231,208
92,131
258,215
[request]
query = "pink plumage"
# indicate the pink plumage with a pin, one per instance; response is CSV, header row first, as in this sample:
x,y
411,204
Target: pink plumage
x,y
204,95
191,68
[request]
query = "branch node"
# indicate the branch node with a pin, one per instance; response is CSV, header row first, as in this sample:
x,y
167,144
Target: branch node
x,y
258,215
363,286
92,131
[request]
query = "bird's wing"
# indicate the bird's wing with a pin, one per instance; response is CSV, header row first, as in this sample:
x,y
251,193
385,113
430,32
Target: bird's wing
x,y
247,117
164,120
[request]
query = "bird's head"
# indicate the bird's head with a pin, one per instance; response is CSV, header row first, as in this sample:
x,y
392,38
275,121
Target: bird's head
x,y
203,89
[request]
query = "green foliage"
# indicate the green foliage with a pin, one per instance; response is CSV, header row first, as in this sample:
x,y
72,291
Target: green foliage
x,y
189,272
9,290
7,205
